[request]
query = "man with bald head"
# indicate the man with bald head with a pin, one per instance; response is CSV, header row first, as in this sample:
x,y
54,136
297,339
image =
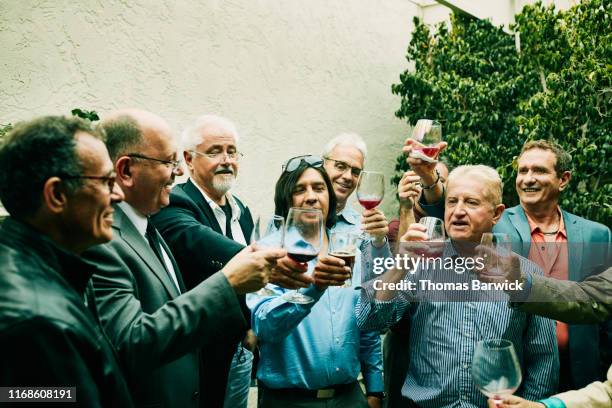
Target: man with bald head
x,y
157,325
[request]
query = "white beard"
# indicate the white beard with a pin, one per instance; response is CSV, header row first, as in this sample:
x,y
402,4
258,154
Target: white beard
x,y
222,183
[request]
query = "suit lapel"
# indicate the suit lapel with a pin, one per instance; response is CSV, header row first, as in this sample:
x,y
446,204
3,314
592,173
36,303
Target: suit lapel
x,y
175,266
574,247
520,223
192,191
129,233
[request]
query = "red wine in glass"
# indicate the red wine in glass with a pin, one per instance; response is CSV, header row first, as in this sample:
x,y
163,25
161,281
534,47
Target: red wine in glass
x,y
301,257
346,256
431,152
370,189
369,203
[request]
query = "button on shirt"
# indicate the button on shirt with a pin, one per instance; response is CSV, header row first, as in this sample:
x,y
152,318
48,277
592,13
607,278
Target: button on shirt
x,y
140,222
316,345
237,234
443,337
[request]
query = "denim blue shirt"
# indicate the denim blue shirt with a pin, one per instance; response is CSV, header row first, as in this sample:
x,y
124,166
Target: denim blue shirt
x,y
316,345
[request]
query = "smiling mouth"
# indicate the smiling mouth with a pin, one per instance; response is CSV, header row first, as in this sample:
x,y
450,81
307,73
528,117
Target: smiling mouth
x,y
224,171
531,190
345,186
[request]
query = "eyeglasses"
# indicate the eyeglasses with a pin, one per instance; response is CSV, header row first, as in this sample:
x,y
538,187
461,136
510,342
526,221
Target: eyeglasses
x,y
173,164
343,167
110,180
217,155
293,163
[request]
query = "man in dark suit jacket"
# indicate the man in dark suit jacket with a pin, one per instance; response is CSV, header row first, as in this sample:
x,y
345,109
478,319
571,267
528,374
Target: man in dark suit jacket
x,y
205,226
155,324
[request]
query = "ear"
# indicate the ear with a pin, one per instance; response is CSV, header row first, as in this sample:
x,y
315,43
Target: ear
x,y
565,179
188,159
124,172
497,212
54,195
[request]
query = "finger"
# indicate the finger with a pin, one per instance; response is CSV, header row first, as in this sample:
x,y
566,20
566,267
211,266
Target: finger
x,y
442,146
325,282
271,255
328,269
414,236
330,261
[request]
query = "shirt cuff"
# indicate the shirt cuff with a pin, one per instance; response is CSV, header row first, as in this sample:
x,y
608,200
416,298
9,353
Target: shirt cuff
x,y
374,382
313,292
553,402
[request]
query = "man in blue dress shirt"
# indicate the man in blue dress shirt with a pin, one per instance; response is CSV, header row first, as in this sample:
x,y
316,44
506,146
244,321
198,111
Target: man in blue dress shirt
x,y
444,333
312,354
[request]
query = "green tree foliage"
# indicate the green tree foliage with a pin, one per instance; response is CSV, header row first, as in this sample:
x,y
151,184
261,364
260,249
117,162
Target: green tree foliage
x,y
491,98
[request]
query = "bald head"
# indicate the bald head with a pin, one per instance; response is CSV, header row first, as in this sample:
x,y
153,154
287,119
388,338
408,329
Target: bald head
x,y
131,130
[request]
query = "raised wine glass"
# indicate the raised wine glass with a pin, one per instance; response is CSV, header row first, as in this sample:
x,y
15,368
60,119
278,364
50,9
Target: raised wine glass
x,y
343,245
501,244
428,133
303,241
434,245
370,189
268,236
495,369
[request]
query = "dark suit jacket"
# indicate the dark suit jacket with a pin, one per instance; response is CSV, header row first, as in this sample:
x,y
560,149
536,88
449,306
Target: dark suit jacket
x,y
157,333
190,228
588,253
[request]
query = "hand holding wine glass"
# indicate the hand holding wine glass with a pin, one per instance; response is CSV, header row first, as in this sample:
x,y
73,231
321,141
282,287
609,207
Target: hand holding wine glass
x,y
500,263
495,369
303,241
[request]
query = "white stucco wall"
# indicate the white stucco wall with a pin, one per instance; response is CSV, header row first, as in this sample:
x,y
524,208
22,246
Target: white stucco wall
x,y
290,73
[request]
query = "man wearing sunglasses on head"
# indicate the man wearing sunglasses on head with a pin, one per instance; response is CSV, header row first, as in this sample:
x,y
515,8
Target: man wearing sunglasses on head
x,y
344,157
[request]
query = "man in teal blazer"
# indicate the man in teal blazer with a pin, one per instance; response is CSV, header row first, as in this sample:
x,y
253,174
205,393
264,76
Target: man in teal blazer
x,y
543,173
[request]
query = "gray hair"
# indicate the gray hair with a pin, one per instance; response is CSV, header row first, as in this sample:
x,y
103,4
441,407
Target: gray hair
x,y
195,134
493,185
351,139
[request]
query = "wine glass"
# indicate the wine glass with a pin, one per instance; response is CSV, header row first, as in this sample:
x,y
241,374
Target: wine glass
x,y
370,189
434,245
495,369
303,241
428,133
268,236
501,244
343,245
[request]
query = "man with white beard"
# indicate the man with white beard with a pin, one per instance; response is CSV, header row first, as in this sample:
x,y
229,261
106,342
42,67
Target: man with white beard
x,y
205,226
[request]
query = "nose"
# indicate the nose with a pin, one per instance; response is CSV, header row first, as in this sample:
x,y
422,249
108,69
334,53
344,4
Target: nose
x,y
311,197
459,209
178,170
117,194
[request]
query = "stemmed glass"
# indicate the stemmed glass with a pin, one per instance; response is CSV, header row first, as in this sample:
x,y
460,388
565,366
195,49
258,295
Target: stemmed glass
x,y
435,237
370,189
428,133
495,369
343,245
303,241
268,236
501,244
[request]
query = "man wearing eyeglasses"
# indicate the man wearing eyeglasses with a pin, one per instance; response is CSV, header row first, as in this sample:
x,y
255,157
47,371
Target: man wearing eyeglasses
x,y
57,183
156,324
344,157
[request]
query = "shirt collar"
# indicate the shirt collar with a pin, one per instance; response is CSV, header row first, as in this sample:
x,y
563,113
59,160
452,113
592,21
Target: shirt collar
x,y
349,215
139,220
533,227
215,207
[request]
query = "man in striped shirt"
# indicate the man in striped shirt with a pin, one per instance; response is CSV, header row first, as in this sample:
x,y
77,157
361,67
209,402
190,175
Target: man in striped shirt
x,y
444,333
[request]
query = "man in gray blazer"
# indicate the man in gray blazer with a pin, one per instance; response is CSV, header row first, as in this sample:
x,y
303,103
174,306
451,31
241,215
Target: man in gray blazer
x,y
156,326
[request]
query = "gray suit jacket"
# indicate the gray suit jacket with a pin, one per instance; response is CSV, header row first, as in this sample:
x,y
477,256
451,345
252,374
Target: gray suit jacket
x,y
156,331
589,301
588,254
